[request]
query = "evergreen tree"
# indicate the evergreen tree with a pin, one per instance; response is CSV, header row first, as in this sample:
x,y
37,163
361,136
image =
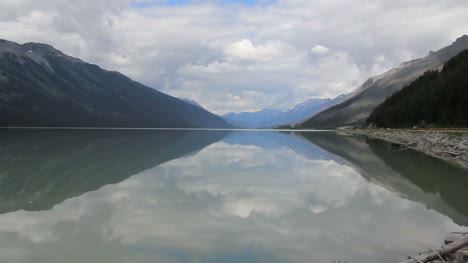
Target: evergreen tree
x,y
436,99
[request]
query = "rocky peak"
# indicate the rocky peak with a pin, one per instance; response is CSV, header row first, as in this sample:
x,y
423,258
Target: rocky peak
x,y
462,39
8,46
47,51
39,53
4,42
42,48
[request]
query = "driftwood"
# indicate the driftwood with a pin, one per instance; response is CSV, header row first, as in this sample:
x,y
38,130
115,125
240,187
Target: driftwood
x,y
432,255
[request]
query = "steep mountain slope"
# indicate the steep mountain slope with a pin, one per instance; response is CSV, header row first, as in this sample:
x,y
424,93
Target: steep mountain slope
x,y
438,99
194,103
41,86
275,117
357,107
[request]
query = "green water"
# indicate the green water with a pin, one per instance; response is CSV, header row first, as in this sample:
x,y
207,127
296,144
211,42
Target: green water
x,y
220,196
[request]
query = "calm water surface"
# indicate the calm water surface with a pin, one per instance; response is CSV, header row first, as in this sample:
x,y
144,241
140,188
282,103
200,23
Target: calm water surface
x,y
220,196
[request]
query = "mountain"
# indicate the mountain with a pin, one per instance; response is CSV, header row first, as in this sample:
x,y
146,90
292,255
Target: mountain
x,y
436,99
275,117
41,86
258,119
355,109
194,103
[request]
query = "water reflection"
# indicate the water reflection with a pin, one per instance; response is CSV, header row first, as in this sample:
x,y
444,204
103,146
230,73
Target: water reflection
x,y
39,169
251,197
412,175
432,176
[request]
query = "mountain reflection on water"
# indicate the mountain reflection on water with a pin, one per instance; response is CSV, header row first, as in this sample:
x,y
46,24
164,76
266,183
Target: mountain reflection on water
x,y
206,196
41,168
412,175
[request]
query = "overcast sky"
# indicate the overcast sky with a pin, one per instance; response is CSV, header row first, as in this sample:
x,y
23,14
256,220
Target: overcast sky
x,y
240,55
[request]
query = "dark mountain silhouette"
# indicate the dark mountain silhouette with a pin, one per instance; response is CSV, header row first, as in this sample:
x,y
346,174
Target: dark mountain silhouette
x,y
41,86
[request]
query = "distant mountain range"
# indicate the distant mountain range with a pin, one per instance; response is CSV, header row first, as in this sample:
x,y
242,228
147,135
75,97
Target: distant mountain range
x,y
275,117
41,86
357,107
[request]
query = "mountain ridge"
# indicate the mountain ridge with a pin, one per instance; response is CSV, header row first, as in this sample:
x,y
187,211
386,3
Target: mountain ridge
x,y
275,117
42,86
359,104
436,99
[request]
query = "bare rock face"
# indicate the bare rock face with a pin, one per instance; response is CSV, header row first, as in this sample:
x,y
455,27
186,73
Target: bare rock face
x,y
358,105
37,52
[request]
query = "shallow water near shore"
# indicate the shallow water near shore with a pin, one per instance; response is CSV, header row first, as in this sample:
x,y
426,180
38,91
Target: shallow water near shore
x,y
220,196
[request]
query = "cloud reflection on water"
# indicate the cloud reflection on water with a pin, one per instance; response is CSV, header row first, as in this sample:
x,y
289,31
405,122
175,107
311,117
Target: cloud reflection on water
x,y
229,203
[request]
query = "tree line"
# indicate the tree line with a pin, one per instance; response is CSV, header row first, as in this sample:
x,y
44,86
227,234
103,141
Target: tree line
x,y
436,99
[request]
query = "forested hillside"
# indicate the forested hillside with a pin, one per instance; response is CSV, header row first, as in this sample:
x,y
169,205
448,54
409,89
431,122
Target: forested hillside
x,y
436,99
358,106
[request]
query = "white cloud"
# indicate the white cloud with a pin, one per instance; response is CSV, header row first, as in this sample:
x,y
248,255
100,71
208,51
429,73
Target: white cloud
x,y
244,50
320,50
238,57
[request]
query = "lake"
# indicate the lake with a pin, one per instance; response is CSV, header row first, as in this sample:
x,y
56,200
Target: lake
x,y
220,196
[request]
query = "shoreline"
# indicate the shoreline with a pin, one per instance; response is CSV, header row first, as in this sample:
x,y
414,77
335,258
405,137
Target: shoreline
x,y
160,129
455,249
448,145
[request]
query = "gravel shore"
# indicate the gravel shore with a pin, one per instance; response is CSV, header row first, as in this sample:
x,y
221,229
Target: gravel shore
x,y
451,146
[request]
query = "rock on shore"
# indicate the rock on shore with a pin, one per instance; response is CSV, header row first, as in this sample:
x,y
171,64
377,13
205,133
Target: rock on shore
x,y
451,146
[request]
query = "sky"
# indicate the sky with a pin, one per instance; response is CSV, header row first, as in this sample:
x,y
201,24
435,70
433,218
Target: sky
x,y
240,55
